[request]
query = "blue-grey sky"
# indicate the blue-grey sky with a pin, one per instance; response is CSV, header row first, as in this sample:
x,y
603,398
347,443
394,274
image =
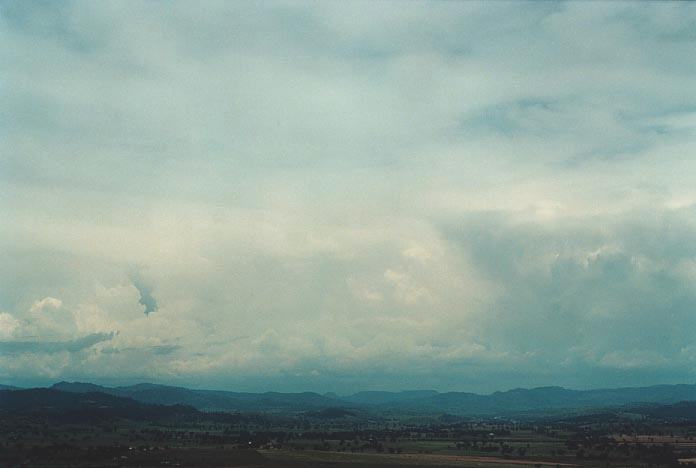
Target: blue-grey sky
x,y
337,196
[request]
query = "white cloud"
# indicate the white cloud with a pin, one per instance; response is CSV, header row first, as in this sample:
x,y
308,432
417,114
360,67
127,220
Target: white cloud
x,y
348,191
45,304
8,325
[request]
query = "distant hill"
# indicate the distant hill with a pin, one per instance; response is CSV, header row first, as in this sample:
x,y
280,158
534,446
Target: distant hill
x,y
680,412
210,400
80,387
8,387
516,401
547,398
381,398
684,410
82,407
78,407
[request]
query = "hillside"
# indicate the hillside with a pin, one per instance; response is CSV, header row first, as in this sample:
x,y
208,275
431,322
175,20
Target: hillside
x,y
210,400
81,407
516,401
546,399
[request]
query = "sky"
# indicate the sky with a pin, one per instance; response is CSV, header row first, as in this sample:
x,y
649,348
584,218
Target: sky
x,y
344,196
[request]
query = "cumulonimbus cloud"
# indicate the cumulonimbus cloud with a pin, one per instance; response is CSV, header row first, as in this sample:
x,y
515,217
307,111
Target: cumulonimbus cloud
x,y
456,195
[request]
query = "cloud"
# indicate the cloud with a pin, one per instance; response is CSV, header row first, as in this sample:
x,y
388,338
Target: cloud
x,y
46,303
8,324
71,346
314,196
146,297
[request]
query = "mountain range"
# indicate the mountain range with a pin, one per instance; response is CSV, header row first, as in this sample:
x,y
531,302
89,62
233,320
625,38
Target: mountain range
x,y
81,403
542,399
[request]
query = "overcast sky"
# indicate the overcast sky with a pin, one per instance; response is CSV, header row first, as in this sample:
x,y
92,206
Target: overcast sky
x,y
339,196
